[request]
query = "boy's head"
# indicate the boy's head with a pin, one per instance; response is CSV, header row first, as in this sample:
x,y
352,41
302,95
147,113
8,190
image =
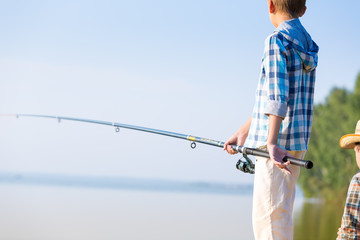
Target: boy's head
x,y
293,8
350,141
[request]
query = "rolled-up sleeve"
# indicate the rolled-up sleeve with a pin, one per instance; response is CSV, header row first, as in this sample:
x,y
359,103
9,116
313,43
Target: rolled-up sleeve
x,y
277,78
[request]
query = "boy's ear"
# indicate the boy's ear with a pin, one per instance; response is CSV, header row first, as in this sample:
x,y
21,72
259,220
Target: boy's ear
x,y
303,12
271,6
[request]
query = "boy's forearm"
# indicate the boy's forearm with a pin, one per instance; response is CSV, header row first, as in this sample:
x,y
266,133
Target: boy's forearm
x,y
239,137
274,129
244,129
276,153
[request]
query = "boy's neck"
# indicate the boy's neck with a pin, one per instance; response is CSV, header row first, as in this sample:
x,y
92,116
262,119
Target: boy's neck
x,y
278,18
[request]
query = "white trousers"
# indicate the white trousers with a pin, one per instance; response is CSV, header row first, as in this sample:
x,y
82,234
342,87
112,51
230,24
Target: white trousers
x,y
273,199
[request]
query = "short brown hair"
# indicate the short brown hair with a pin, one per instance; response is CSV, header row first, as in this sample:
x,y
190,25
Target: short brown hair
x,y
293,7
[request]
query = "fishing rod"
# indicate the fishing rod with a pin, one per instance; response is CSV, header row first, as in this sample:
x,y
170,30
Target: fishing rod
x,y
244,164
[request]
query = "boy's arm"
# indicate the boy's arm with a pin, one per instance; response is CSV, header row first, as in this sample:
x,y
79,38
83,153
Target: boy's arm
x,y
239,137
276,153
275,64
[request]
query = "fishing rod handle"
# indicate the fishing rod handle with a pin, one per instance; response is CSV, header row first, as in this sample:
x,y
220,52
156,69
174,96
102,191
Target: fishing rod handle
x,y
261,153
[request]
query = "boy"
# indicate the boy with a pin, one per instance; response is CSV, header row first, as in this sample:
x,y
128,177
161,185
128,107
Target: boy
x,y
350,223
282,118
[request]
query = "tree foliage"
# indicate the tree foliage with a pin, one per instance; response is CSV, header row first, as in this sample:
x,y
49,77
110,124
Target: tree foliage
x,y
333,166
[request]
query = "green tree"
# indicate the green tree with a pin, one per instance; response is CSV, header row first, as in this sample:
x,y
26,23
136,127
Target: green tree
x,y
333,166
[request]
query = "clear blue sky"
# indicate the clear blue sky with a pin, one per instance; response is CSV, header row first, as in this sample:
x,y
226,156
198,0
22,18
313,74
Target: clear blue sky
x,y
185,66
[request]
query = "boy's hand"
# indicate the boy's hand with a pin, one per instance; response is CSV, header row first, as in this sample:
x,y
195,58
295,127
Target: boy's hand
x,y
236,139
277,154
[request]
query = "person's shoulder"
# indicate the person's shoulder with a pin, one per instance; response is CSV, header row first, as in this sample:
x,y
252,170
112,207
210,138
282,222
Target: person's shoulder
x,y
356,179
276,35
276,39
357,175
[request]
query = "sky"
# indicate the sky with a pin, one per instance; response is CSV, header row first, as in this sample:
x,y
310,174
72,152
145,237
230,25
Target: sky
x,y
184,66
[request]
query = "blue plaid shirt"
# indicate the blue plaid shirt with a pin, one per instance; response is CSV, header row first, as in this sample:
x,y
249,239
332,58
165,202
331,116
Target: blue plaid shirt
x,y
286,87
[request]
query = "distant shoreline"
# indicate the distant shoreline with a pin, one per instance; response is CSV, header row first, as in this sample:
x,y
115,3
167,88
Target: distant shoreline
x,y
107,182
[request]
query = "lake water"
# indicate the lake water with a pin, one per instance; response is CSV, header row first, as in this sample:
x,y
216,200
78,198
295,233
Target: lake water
x,y
48,207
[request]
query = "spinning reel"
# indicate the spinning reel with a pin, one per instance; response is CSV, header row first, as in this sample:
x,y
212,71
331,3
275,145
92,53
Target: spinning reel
x,y
245,165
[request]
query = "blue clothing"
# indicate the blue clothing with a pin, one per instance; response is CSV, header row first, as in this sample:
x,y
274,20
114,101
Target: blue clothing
x,y
286,87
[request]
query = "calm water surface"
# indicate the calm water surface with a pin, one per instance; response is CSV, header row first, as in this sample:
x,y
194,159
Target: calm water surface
x,y
54,213
317,220
41,212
